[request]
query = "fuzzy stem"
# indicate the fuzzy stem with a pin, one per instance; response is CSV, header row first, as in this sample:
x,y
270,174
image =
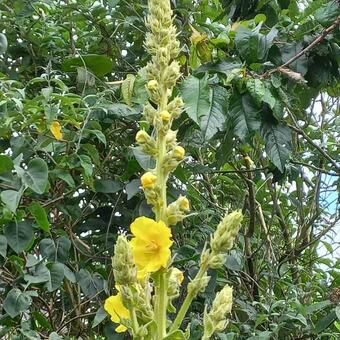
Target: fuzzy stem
x,y
188,299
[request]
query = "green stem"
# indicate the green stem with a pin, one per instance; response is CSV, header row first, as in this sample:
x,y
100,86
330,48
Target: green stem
x,y
134,321
188,299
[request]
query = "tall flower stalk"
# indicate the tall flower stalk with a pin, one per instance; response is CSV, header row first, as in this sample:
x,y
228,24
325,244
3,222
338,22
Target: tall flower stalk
x,y
146,282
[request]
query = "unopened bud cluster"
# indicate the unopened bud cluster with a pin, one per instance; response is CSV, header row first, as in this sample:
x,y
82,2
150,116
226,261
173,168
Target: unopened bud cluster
x,y
123,266
216,320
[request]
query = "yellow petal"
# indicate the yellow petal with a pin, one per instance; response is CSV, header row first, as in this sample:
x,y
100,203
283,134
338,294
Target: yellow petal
x,y
120,329
114,306
55,128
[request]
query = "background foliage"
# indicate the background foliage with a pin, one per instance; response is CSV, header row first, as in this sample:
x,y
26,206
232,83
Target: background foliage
x,y
246,94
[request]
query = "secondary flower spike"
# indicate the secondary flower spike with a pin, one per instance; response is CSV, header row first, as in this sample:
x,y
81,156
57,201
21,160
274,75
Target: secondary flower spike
x,y
151,244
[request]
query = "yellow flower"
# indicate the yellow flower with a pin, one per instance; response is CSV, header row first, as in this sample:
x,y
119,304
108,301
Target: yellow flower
x,y
115,307
152,84
165,116
179,152
151,244
55,128
148,180
176,275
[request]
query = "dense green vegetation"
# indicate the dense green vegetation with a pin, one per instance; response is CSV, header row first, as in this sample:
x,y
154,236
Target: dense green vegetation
x,y
260,84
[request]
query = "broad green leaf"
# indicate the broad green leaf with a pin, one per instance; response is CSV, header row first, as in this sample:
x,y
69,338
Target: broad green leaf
x,y
223,66
213,120
290,50
19,235
145,161
107,186
252,45
16,302
277,139
11,198
204,105
54,336
69,274
244,115
37,274
98,64
325,322
91,284
55,250
6,163
65,176
256,88
100,316
196,96
3,246
337,312
132,188
327,14
36,175
101,137
86,164
40,216
3,44
42,320
56,276
317,306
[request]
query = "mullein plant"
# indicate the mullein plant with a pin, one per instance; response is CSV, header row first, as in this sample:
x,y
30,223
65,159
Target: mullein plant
x,y
146,281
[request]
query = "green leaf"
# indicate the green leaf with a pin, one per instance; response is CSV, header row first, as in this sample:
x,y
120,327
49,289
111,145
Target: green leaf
x,y
19,235
41,320
11,198
325,322
256,88
99,317
244,115
132,188
317,306
90,284
290,50
86,164
213,120
223,66
6,163
252,45
56,277
3,246
196,96
337,312
204,105
55,250
101,137
327,14
99,65
40,216
37,274
277,139
107,186
36,175
54,336
16,302
3,43
145,161
65,176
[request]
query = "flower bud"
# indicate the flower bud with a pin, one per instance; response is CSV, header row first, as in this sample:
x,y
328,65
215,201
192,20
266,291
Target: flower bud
x,y
176,276
142,136
198,285
148,180
178,152
152,85
183,203
124,268
165,116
